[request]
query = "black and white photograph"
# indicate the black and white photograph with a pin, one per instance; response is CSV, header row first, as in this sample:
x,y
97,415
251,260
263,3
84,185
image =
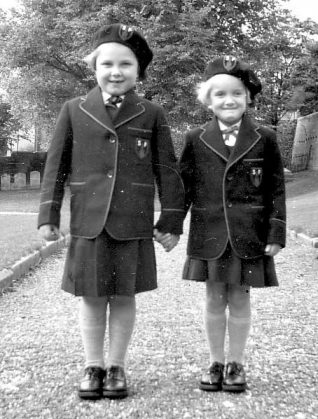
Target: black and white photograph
x,y
158,209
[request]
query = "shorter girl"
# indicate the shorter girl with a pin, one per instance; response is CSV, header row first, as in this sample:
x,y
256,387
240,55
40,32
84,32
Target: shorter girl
x,y
233,175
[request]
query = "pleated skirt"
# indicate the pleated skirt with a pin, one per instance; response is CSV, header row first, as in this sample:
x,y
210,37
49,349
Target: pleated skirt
x,y
104,266
230,269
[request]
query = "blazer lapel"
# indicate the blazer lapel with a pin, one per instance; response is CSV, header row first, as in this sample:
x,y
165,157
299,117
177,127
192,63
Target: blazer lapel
x,y
94,107
130,108
247,137
212,137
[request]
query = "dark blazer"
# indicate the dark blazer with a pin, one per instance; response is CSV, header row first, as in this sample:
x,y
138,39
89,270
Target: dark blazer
x,y
238,197
112,167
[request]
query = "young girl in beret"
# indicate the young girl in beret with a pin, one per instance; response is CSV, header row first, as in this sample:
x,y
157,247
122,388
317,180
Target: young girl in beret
x,y
234,181
113,147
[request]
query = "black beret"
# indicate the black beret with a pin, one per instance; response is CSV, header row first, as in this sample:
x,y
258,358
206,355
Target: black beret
x,y
127,36
237,68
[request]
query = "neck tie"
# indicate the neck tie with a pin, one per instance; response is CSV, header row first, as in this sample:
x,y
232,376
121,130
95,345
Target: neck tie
x,y
114,100
111,105
230,134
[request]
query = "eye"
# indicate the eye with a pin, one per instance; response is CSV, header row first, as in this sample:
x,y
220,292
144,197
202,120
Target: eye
x,y
219,93
239,93
126,63
106,63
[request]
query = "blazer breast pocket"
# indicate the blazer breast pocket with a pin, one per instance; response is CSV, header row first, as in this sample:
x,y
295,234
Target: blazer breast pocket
x,y
142,148
254,169
140,139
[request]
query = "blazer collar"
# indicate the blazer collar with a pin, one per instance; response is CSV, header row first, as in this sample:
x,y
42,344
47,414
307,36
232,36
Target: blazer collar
x,y
94,107
248,136
212,137
130,108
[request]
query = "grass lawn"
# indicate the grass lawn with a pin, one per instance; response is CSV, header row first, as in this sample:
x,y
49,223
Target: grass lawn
x,y
19,234
302,203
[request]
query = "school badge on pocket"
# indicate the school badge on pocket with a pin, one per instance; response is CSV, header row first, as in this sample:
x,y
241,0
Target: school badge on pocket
x,y
142,148
256,175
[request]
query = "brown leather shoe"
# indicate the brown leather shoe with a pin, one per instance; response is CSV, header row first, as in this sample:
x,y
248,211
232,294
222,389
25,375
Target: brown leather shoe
x,y
235,378
212,379
115,384
91,386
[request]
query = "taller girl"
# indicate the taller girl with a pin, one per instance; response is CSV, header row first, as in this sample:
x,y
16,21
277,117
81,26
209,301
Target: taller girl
x,y
234,180
113,146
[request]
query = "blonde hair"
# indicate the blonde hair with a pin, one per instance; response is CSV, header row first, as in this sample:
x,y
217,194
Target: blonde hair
x,y
91,58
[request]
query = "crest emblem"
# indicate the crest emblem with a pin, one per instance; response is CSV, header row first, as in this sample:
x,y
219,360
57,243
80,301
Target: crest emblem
x,y
256,175
229,62
142,148
125,32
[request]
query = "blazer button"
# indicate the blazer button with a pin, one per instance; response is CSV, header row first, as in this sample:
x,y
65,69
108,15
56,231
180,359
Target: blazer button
x,y
112,140
110,174
229,204
230,177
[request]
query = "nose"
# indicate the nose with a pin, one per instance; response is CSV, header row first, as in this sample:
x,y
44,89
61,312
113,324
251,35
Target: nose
x,y
115,71
229,99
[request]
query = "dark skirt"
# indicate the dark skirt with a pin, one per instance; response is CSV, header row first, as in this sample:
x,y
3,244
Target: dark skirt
x,y
104,266
230,269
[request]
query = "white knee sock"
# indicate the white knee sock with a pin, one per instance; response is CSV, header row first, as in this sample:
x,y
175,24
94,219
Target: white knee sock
x,y
239,329
215,327
92,320
122,314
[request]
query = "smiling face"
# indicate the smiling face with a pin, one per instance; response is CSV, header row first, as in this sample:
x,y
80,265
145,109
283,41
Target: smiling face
x,y
116,68
228,98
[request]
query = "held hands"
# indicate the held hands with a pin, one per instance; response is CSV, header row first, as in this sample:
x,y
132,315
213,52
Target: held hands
x,y
272,249
167,240
49,232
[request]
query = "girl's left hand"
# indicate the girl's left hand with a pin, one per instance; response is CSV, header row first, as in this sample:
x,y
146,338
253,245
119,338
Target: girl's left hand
x,y
272,249
167,240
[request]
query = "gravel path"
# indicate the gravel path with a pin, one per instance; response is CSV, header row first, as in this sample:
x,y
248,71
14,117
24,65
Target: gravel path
x,y
41,353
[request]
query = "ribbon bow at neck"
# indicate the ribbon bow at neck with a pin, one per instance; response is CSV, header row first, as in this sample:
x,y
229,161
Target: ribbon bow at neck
x,y
230,134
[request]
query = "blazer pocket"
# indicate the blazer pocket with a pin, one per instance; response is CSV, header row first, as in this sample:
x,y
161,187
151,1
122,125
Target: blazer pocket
x,y
77,183
142,148
143,185
140,132
254,170
257,207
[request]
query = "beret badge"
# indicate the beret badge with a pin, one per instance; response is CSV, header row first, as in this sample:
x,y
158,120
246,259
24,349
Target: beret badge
x,y
229,62
125,32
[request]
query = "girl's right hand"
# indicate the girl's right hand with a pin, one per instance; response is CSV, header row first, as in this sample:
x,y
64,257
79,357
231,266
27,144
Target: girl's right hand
x,y
49,232
167,240
272,249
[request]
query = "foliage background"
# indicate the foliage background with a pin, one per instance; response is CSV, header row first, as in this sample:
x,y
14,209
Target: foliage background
x,y
43,45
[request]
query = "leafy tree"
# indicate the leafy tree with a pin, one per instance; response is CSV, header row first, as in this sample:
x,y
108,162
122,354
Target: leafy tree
x,y
305,97
280,50
45,42
8,127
